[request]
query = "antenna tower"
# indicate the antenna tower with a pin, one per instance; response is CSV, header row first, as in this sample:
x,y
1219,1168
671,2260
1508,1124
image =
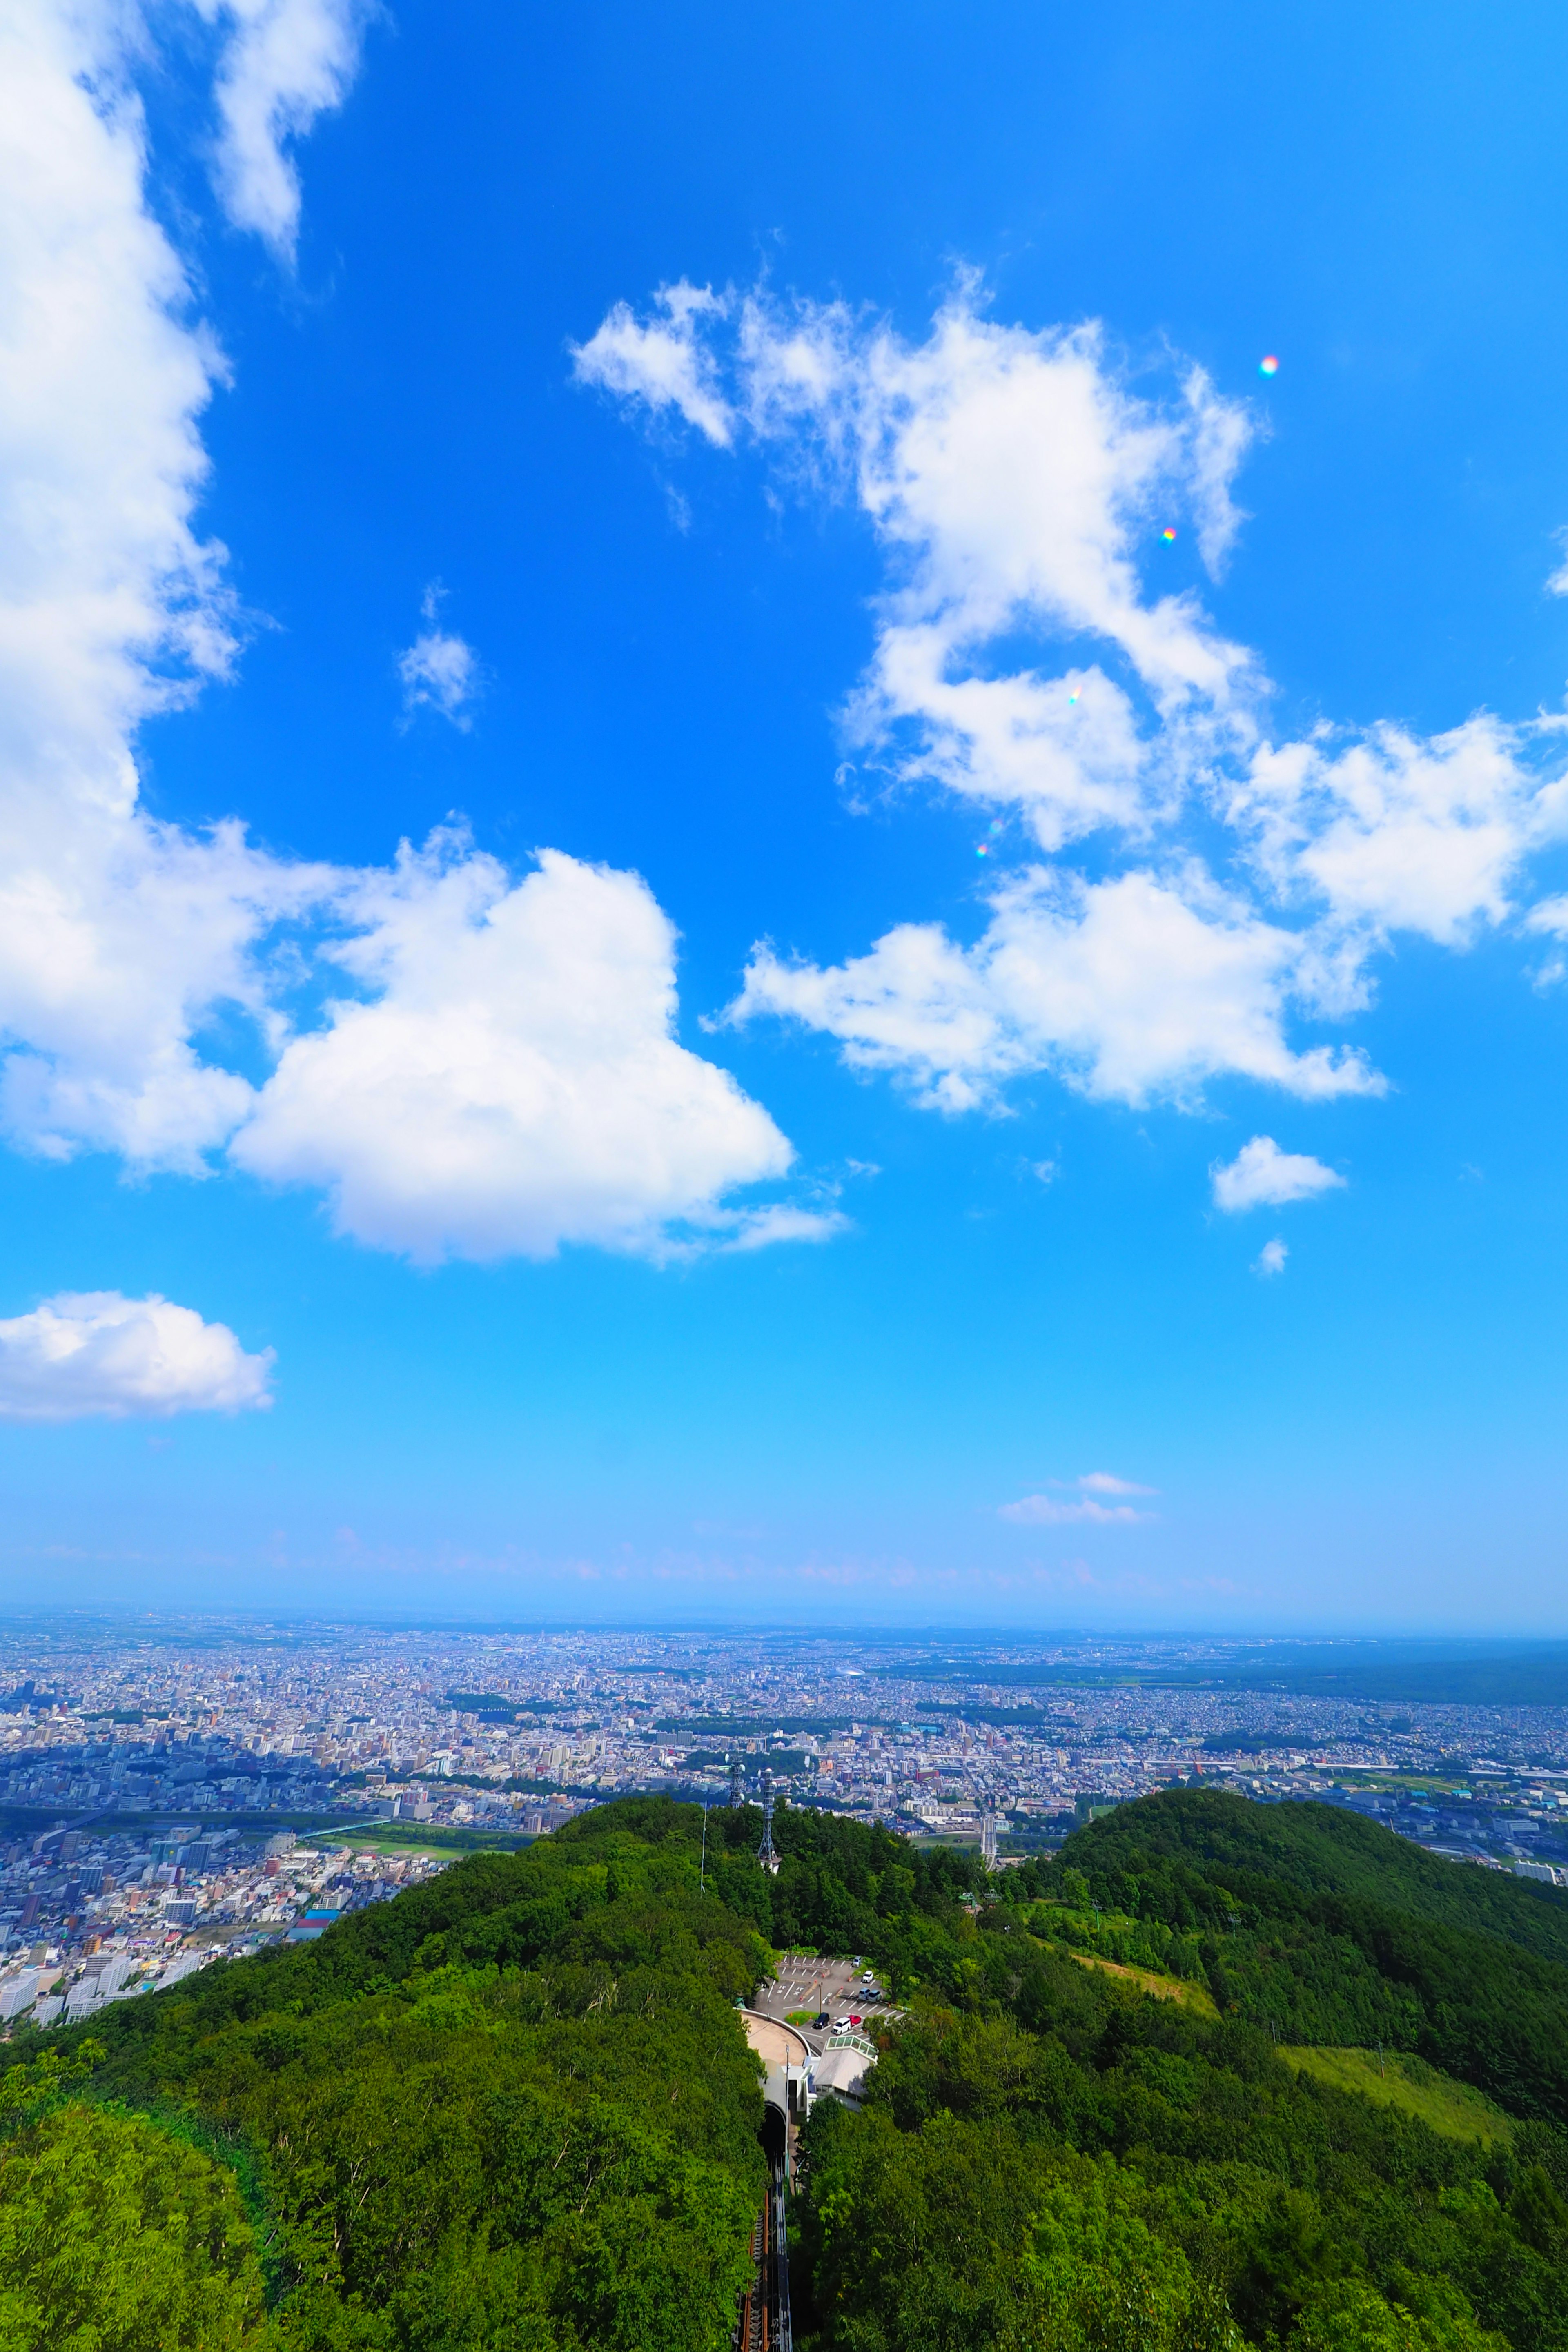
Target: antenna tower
x,y
737,1783
765,1854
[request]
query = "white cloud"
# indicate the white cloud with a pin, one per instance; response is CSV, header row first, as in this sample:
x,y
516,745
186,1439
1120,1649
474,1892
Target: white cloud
x,y
1129,989
1025,492
126,942
439,671
1551,917
1051,1511
116,933
1085,1508
284,63
1012,478
663,365
514,1082
1262,1175
1271,1259
1394,832
1557,582
781,1221
95,1352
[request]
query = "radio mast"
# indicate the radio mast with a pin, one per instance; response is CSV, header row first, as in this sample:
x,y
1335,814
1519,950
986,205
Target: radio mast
x,y
765,1854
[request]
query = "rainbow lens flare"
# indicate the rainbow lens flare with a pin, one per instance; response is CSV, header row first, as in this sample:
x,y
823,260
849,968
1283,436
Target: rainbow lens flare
x,y
1169,531
1268,365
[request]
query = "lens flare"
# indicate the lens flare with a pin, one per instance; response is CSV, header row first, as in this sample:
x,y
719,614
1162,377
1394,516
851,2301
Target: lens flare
x,y
1169,531
1268,365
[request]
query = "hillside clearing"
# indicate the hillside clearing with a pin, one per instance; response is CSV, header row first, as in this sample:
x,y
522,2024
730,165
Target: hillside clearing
x,y
1398,2080
1191,1995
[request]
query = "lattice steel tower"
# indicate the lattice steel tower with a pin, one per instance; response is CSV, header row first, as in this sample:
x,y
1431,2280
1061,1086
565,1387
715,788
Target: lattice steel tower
x,y
765,1854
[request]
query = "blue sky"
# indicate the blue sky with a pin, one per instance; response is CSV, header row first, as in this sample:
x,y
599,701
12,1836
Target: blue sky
x,y
683,447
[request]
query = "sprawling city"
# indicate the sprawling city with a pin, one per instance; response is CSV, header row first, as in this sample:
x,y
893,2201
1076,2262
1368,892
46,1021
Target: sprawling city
x,y
172,1791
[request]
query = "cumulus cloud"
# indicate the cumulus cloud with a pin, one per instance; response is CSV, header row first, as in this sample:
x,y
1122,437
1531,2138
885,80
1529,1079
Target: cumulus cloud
x,y
1129,989
284,63
518,1078
1034,653
116,932
1395,833
514,1081
1271,1257
439,671
1262,1175
95,1352
1104,1482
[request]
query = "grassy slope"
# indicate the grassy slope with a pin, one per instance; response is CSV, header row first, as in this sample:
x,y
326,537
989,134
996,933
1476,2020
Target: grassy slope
x,y
1191,1995
1399,2081
1332,1931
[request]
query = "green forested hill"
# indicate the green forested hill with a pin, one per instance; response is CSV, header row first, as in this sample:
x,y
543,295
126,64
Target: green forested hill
x,y
1323,1928
513,2111
511,2108
1048,2159
1325,1850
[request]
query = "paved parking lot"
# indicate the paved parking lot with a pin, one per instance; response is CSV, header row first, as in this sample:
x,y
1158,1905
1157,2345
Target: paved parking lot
x,y
831,1985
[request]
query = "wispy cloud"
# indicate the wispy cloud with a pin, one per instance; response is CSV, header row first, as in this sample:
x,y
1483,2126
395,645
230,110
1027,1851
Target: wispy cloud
x,y
284,63
664,364
1270,1259
439,671
1084,1506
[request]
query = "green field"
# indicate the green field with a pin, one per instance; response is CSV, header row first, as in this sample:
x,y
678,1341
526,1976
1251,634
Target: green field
x,y
1397,2080
394,1838
1440,1784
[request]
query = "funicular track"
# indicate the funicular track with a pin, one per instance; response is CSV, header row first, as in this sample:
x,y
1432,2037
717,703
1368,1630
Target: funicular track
x,y
765,2322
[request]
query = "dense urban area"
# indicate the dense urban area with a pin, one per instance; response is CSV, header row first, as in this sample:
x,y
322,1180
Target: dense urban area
x,y
174,1790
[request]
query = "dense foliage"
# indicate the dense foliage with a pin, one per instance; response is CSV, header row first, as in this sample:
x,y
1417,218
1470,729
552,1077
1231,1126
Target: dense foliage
x,y
1325,1929
513,2108
1049,2157
513,2111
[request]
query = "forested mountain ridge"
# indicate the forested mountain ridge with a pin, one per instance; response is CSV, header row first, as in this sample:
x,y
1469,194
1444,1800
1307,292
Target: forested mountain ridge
x,y
513,2110
1048,2159
1324,1850
1325,1928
